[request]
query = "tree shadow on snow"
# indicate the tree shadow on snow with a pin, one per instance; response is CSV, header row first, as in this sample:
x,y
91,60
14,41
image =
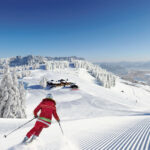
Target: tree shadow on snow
x,y
141,114
35,87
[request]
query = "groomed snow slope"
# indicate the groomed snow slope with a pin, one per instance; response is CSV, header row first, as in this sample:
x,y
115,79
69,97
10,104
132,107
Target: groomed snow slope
x,y
90,116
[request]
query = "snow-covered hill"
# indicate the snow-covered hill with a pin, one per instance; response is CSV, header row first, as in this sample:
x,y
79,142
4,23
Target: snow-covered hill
x,y
88,116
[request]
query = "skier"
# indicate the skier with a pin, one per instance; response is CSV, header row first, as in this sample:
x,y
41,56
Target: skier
x,y
48,108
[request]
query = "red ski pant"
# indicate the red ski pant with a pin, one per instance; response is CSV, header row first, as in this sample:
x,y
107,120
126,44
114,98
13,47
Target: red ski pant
x,y
36,130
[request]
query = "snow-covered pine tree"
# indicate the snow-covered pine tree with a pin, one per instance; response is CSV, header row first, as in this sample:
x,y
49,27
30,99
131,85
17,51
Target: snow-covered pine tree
x,y
26,73
43,82
22,100
53,65
35,66
47,66
11,104
105,78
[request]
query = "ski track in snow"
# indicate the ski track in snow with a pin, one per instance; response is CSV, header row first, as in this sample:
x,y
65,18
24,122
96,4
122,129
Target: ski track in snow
x,y
132,137
135,138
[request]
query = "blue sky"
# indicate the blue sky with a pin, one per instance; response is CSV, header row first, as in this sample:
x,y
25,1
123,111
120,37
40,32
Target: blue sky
x,y
98,30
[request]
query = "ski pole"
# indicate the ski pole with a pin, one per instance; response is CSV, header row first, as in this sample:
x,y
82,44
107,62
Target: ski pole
x,y
18,128
61,128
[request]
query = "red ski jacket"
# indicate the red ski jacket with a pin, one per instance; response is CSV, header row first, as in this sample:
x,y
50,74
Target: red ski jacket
x,y
48,108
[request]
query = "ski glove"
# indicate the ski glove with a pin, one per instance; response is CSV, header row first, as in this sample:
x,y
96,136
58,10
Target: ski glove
x,y
35,116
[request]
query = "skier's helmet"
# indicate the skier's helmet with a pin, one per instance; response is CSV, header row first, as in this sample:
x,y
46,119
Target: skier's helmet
x,y
49,96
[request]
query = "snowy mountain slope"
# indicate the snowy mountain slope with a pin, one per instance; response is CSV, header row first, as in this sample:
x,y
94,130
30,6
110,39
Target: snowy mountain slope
x,y
92,96
88,114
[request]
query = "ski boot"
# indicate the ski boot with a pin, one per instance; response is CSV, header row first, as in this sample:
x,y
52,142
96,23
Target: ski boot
x,y
25,140
34,137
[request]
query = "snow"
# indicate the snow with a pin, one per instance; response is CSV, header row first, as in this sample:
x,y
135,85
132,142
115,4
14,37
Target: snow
x,y
90,116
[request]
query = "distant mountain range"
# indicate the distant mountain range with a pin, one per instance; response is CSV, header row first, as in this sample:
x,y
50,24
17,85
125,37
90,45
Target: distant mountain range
x,y
30,59
122,68
132,71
